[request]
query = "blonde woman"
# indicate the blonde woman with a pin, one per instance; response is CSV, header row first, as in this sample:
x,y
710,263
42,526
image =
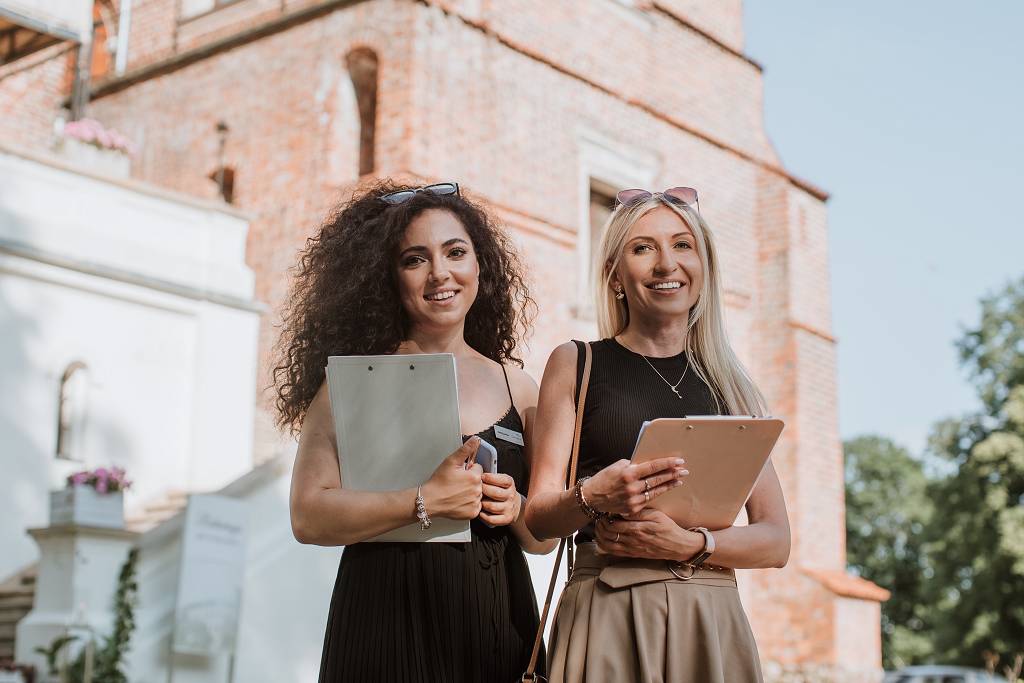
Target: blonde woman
x,y
664,353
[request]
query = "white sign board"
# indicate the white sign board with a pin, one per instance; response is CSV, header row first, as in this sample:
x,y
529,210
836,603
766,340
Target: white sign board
x,y
212,570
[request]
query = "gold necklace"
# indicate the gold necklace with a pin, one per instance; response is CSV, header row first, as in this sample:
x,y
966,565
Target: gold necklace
x,y
673,387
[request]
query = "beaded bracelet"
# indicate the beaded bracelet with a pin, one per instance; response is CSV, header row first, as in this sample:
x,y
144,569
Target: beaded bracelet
x,y
421,510
588,509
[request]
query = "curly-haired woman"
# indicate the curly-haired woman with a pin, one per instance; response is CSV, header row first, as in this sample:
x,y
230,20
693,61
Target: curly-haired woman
x,y
402,269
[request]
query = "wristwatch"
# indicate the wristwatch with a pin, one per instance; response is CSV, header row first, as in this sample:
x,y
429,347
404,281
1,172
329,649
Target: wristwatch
x,y
709,547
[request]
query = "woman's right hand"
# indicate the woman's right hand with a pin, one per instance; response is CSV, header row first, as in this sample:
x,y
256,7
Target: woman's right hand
x,y
455,488
623,488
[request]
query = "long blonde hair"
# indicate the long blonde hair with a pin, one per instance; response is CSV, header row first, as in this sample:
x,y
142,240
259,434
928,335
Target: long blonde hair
x,y
707,345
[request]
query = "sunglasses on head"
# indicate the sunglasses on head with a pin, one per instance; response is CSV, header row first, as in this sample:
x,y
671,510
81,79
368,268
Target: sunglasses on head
x,y
686,195
402,196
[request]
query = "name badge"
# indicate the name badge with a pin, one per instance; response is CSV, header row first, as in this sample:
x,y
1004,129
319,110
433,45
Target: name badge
x,y
509,435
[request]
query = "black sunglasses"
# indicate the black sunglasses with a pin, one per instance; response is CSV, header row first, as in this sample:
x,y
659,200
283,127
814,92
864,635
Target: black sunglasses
x,y
402,196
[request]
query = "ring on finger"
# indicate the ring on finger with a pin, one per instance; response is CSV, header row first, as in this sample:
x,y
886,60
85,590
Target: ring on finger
x,y
616,537
647,484
647,496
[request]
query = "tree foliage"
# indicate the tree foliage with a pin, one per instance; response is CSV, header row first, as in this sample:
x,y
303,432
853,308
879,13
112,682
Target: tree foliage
x,y
977,540
951,545
887,511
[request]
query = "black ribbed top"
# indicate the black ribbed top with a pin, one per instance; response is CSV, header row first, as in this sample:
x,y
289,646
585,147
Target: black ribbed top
x,y
624,392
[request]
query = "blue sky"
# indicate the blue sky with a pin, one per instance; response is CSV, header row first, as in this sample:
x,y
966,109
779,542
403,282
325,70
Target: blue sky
x,y
911,114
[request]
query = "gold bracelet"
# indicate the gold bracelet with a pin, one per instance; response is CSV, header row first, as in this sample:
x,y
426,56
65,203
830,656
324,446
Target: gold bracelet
x,y
588,509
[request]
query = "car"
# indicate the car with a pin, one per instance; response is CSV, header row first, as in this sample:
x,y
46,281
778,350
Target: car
x,y
932,673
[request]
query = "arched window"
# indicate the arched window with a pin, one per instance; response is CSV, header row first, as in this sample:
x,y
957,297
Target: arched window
x,y
362,69
71,411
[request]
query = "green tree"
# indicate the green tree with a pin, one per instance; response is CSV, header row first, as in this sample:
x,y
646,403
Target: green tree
x,y
976,538
887,512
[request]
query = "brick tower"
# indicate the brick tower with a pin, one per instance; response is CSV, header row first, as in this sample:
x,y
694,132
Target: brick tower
x,y
540,108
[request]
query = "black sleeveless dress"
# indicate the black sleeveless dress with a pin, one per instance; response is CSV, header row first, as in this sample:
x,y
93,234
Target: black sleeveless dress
x,y
436,612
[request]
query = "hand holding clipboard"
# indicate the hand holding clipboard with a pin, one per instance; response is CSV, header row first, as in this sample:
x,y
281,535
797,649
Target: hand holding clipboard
x,y
397,423
725,456
625,488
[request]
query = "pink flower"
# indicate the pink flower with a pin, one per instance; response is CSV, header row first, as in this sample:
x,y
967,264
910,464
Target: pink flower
x,y
102,479
93,132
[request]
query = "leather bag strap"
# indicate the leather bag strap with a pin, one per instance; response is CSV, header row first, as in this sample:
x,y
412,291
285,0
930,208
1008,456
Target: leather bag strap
x,y
570,480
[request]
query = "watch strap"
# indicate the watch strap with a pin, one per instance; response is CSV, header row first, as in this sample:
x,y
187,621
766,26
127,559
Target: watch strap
x,y
705,552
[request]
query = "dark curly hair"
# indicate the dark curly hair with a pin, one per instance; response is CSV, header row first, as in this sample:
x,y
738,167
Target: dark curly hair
x,y
345,301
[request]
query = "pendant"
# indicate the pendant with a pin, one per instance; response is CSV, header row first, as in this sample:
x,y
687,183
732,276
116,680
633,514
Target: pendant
x,y
676,391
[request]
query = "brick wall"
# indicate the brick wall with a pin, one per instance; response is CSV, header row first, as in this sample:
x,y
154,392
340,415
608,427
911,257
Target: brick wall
x,y
32,91
512,99
646,57
722,20
153,30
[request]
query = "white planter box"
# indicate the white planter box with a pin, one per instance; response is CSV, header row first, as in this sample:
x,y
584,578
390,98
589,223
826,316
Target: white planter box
x,y
109,162
83,506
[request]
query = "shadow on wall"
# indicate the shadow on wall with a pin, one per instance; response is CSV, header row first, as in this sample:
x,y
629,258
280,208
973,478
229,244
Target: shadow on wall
x,y
38,395
111,446
23,458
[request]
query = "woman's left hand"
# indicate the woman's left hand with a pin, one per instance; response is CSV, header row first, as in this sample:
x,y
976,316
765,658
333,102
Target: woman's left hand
x,y
648,534
501,502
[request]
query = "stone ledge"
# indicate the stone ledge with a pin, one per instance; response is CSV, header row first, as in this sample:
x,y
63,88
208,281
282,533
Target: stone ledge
x,y
847,585
65,529
56,161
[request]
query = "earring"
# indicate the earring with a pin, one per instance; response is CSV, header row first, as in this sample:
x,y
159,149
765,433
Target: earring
x,y
619,294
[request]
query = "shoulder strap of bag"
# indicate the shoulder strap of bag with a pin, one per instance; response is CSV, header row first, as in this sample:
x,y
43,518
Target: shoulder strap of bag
x,y
570,479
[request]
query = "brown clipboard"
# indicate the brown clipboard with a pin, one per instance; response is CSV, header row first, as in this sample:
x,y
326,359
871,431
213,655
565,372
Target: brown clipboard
x,y
725,456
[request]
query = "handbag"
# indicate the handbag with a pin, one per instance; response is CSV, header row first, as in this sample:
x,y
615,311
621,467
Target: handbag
x,y
530,675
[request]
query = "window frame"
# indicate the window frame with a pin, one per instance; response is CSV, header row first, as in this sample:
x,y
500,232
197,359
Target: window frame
x,y
217,6
613,164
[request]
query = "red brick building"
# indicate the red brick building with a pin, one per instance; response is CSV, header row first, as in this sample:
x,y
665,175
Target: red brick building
x,y
542,110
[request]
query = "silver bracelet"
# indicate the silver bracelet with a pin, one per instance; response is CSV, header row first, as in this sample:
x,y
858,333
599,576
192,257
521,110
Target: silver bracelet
x,y
421,510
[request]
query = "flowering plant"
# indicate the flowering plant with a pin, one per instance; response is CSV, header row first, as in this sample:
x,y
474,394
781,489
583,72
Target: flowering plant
x,y
102,479
92,132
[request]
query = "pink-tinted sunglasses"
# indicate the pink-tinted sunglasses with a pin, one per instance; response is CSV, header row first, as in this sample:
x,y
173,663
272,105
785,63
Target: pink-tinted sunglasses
x,y
686,195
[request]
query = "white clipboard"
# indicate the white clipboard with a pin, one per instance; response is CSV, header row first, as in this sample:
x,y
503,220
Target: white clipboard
x,y
725,456
396,418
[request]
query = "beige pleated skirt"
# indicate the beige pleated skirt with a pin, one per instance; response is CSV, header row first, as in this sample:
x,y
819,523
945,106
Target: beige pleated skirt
x,y
625,621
